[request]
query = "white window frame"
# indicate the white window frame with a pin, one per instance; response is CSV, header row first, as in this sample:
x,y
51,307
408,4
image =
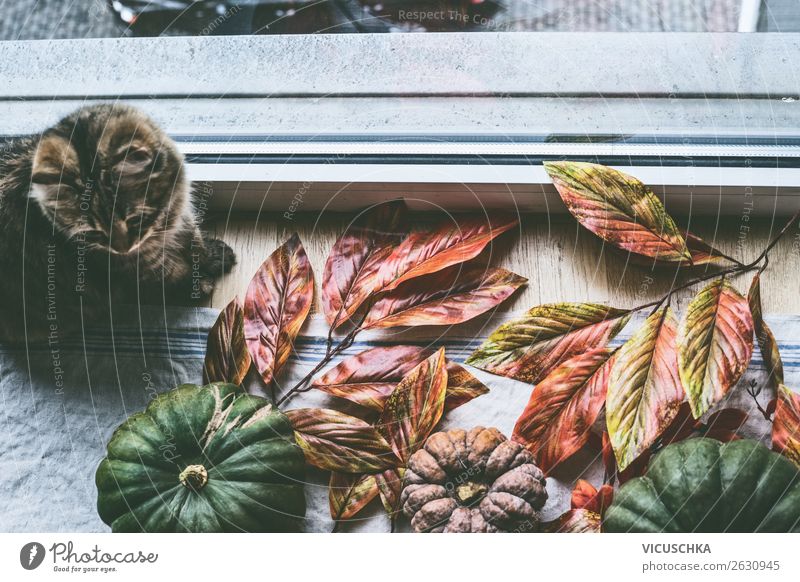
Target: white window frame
x,y
457,119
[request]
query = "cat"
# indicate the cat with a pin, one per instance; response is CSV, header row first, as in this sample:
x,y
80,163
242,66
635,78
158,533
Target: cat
x,y
95,212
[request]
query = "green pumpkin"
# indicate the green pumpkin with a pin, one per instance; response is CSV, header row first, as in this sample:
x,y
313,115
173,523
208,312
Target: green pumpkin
x,y
203,459
702,485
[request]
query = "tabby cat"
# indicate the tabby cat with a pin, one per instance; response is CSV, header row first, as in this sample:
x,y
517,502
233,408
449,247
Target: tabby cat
x,y
95,212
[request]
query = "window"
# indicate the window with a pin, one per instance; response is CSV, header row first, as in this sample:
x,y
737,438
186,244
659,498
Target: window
x,y
453,118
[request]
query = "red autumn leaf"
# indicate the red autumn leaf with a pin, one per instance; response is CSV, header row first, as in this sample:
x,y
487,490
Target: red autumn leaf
x,y
227,358
715,345
730,419
456,241
786,424
721,434
351,271
563,407
772,406
349,494
619,209
582,494
369,378
447,297
764,336
574,521
415,406
390,485
335,441
276,305
644,388
530,347
585,496
701,252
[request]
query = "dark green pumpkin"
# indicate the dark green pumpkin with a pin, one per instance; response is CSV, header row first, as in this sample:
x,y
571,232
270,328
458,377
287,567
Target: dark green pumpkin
x,y
203,459
702,485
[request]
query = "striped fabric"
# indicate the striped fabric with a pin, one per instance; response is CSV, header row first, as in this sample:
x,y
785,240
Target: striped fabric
x,y
62,401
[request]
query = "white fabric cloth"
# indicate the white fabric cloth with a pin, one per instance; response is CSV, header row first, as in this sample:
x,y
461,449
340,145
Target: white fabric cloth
x,y
61,402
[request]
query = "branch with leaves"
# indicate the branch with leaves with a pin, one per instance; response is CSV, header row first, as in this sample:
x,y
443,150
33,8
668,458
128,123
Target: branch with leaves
x,y
658,387
378,275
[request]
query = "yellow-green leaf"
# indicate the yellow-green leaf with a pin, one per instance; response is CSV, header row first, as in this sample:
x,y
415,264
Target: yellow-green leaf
x,y
349,494
619,209
334,441
644,388
530,347
715,346
415,406
227,358
786,425
766,340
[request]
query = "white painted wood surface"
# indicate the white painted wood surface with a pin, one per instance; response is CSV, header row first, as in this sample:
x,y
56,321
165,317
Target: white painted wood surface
x,y
562,261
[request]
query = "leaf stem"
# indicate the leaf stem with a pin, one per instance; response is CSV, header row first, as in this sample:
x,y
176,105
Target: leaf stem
x,y
738,269
330,353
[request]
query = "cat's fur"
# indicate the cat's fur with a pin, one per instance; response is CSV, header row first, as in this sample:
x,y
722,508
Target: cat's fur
x,y
94,212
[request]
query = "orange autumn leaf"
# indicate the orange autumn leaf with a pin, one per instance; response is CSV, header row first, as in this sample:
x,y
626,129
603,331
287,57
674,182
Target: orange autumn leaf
x,y
370,377
415,406
562,408
276,305
448,297
428,251
351,270
619,209
715,345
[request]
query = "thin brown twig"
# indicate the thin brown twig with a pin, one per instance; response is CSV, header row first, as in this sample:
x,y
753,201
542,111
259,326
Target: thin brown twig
x,y
736,270
330,353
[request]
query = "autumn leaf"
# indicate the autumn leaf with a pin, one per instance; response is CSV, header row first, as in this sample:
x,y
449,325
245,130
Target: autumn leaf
x,y
227,358
619,209
349,494
369,378
448,297
786,425
529,348
430,251
702,253
390,485
586,496
715,345
351,271
415,406
766,340
335,441
562,408
574,521
644,387
461,387
276,305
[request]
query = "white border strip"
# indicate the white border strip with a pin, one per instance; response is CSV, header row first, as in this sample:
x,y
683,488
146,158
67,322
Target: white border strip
x,y
486,174
483,148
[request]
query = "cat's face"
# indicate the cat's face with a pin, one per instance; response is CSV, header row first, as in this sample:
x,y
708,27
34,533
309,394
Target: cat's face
x,y
108,177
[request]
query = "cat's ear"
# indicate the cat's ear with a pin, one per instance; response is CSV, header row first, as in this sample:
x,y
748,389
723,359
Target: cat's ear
x,y
55,163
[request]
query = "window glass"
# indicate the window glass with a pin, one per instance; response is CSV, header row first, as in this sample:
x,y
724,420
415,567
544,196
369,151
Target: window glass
x,y
40,19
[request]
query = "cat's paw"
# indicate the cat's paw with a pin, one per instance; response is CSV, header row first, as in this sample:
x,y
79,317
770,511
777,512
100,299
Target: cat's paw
x,y
219,258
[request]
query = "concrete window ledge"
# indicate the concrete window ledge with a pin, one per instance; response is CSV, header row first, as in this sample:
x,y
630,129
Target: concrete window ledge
x,y
452,119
